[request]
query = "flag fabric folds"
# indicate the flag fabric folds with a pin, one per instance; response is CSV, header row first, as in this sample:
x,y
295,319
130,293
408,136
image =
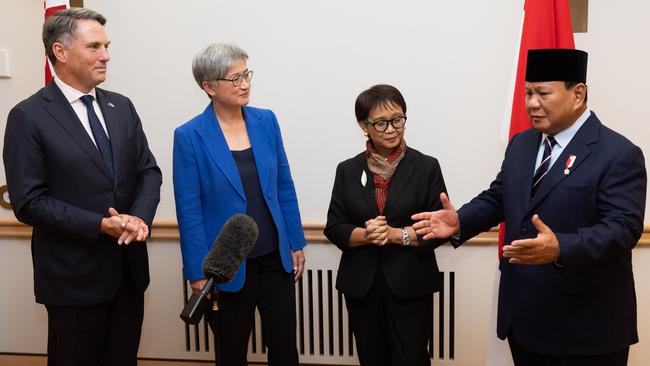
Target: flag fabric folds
x,y
546,24
51,7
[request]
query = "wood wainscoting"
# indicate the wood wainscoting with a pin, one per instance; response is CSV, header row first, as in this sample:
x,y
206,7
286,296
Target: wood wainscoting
x,y
168,230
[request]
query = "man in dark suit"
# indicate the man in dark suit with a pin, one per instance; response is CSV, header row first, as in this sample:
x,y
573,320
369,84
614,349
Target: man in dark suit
x,y
80,172
572,194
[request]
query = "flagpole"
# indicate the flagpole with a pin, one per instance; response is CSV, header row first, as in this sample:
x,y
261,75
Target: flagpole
x,y
545,24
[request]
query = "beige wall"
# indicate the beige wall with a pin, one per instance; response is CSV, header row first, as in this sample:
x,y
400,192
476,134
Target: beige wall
x,y
452,61
20,33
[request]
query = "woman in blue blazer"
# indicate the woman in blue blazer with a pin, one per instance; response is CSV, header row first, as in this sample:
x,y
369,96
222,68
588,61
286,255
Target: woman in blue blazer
x,y
230,159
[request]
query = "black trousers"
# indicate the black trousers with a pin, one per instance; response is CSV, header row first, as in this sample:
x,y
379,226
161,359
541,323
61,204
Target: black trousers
x,y
105,334
390,331
272,290
522,357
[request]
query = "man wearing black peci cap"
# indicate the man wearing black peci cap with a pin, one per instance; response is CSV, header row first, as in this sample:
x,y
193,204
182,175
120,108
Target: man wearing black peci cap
x,y
572,194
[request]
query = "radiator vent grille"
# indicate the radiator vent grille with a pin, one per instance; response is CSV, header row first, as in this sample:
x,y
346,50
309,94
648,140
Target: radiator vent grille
x,y
323,334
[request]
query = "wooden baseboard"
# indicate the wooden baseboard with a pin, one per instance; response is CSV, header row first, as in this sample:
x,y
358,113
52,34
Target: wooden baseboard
x,y
22,360
16,359
41,360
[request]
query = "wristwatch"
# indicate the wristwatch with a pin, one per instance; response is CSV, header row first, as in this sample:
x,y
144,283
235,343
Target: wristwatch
x,y
406,239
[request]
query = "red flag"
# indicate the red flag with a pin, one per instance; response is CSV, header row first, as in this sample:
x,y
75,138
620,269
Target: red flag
x,y
51,7
547,24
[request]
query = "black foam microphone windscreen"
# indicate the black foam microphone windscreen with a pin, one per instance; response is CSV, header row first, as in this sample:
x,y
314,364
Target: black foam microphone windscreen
x,y
235,240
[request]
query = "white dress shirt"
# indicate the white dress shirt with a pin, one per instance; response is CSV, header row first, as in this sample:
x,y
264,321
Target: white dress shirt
x,y
562,138
73,96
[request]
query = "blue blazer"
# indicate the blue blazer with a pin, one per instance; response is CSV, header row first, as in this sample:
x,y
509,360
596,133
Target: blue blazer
x,y
208,189
586,305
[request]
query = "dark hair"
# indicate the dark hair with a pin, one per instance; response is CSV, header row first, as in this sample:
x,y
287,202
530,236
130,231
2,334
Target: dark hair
x,y
570,84
62,27
378,95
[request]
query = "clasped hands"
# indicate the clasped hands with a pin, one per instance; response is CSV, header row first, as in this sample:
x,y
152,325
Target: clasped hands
x,y
125,228
378,232
444,223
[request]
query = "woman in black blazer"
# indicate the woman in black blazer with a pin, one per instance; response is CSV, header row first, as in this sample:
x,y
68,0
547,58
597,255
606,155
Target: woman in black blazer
x,y
387,273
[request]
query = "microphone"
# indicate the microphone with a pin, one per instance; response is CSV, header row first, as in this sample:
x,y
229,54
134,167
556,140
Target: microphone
x,y
232,245
197,305
235,240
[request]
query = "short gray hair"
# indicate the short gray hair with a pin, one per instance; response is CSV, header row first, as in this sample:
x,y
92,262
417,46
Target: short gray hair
x,y
62,27
212,62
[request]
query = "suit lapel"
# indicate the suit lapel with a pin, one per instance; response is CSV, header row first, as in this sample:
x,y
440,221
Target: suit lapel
x,y
528,157
400,179
217,147
113,126
578,146
367,191
61,110
260,144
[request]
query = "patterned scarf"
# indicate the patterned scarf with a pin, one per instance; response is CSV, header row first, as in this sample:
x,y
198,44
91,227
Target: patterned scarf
x,y
383,169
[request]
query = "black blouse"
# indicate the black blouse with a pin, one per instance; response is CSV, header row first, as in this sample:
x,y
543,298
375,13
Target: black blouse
x,y
267,240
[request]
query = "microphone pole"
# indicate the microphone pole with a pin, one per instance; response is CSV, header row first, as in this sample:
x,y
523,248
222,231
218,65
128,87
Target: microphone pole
x,y
198,304
233,243
215,308
205,300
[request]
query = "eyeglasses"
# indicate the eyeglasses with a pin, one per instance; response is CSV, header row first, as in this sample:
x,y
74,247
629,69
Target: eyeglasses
x,y
237,79
382,125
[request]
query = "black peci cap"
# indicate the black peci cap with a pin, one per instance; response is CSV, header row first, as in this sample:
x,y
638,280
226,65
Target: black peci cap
x,y
556,64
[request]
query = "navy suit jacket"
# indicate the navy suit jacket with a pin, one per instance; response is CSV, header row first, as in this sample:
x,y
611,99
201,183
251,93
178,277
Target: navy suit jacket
x,y
208,188
585,304
415,187
59,184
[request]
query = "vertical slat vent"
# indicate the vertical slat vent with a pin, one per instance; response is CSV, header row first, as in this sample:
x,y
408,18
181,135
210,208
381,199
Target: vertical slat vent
x,y
323,332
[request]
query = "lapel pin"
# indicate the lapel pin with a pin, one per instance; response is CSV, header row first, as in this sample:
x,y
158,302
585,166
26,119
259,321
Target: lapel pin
x,y
569,163
110,105
364,178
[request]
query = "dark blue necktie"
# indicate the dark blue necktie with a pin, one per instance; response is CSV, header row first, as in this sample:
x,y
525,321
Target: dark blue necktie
x,y
549,142
101,138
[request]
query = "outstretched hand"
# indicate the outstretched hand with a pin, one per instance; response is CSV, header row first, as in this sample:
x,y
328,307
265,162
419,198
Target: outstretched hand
x,y
539,250
439,224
